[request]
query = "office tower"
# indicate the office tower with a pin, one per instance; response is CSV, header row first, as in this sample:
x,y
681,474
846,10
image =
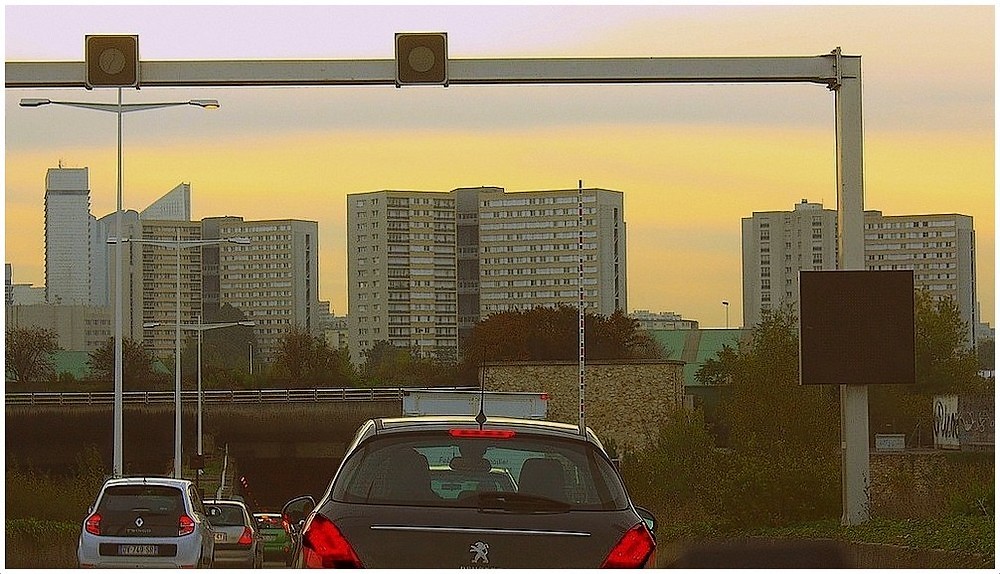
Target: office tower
x,y
274,280
401,270
67,236
175,205
508,251
938,248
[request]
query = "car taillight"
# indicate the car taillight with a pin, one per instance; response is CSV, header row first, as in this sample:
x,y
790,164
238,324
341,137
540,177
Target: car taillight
x,y
633,550
185,525
482,433
323,546
246,538
94,524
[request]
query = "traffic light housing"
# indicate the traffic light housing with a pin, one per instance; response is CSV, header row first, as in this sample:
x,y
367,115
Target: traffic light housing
x,y
422,59
112,61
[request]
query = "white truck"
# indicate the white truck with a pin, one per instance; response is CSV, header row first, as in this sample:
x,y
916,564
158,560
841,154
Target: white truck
x,y
523,405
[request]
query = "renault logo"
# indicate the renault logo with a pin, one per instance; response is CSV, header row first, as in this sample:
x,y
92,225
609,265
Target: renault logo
x,y
138,522
481,549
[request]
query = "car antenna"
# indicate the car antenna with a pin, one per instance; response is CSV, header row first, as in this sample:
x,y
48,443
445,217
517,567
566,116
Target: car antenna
x,y
481,417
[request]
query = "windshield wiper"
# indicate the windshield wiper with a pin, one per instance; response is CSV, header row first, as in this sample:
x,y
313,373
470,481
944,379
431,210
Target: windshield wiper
x,y
516,502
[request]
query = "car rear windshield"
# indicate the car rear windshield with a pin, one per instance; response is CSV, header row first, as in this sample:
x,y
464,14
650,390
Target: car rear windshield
x,y
437,469
156,499
229,515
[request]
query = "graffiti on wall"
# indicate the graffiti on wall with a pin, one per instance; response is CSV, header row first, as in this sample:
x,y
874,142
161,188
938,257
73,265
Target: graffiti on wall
x,y
961,421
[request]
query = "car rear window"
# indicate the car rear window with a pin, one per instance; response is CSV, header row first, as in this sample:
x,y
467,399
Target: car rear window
x,y
229,515
140,497
437,469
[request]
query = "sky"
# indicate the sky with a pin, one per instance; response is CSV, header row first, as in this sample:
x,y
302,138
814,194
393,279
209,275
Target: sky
x,y
692,160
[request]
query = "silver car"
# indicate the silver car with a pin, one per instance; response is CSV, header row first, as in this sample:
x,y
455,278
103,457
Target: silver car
x,y
151,522
237,540
450,492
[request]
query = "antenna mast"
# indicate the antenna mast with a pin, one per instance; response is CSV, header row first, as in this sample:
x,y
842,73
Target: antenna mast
x,y
580,309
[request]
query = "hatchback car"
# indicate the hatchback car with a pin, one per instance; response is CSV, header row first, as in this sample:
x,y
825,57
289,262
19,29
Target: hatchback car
x,y
563,505
150,522
276,536
237,541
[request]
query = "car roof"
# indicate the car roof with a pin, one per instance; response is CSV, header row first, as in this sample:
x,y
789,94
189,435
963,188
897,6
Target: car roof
x,y
434,422
154,480
224,501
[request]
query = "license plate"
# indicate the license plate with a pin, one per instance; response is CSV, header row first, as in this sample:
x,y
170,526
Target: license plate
x,y
220,536
137,550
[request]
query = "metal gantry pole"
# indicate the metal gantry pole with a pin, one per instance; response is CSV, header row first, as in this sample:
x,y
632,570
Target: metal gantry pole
x,y
117,464
177,366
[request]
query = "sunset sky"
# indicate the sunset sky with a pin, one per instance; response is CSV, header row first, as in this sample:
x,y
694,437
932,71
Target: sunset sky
x,y
692,160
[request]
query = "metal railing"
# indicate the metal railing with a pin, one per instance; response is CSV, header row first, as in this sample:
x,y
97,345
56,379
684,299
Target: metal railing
x,y
213,396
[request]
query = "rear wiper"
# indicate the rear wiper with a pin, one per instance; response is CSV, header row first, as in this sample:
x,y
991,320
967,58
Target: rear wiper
x,y
516,502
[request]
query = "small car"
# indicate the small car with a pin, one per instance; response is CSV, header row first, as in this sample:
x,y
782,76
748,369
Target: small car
x,y
277,537
534,494
147,521
237,541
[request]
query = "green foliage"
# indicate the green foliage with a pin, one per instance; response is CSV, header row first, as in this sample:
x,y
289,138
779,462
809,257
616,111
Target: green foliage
x,y
387,365
552,334
28,354
137,365
304,361
29,492
40,544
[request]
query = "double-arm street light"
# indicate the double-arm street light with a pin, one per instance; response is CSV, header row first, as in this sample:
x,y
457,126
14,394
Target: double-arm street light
x,y
200,328
177,245
118,109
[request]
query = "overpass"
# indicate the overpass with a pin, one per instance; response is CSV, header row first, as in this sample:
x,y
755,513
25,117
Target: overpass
x,y
282,442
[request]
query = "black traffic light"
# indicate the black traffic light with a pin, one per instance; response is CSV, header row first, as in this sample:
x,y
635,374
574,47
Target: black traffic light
x,y
422,59
112,61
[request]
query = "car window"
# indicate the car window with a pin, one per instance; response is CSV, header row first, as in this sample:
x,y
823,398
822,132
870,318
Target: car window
x,y
229,515
147,498
196,501
431,469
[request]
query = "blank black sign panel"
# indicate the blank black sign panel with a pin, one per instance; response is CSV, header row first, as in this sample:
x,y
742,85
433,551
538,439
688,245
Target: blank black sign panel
x,y
856,327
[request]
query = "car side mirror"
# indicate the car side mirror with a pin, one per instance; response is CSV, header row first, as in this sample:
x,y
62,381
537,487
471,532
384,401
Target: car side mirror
x,y
296,509
647,518
213,511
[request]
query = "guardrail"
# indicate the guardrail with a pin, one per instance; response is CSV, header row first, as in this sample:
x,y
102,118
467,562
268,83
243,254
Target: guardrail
x,y
214,396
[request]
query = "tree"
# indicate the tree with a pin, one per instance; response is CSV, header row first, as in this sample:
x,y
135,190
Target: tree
x,y
387,365
29,354
304,360
137,365
552,334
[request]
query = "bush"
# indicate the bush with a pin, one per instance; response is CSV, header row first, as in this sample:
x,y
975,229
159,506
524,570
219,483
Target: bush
x,y
32,543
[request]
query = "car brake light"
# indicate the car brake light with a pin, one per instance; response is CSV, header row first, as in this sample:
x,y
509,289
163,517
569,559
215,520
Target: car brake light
x,y
633,550
94,524
323,546
482,433
246,538
185,525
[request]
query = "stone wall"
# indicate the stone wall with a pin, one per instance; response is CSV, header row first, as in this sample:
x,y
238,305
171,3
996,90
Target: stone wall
x,y
625,400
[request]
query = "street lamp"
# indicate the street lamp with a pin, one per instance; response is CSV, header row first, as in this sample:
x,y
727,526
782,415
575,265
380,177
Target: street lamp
x,y
118,109
726,305
200,327
177,245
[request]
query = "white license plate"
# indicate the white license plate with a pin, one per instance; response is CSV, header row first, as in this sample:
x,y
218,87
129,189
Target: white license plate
x,y
137,550
220,536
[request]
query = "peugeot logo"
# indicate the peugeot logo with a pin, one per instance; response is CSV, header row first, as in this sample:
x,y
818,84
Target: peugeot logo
x,y
480,549
138,522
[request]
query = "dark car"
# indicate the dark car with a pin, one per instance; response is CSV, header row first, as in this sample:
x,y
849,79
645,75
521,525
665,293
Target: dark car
x,y
534,494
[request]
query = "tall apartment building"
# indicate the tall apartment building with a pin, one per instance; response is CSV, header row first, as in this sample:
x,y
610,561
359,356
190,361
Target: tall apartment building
x,y
67,236
274,280
401,269
424,267
939,248
153,272
173,206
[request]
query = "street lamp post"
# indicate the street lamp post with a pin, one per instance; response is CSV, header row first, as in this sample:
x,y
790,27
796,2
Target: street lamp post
x,y
179,244
119,109
201,327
